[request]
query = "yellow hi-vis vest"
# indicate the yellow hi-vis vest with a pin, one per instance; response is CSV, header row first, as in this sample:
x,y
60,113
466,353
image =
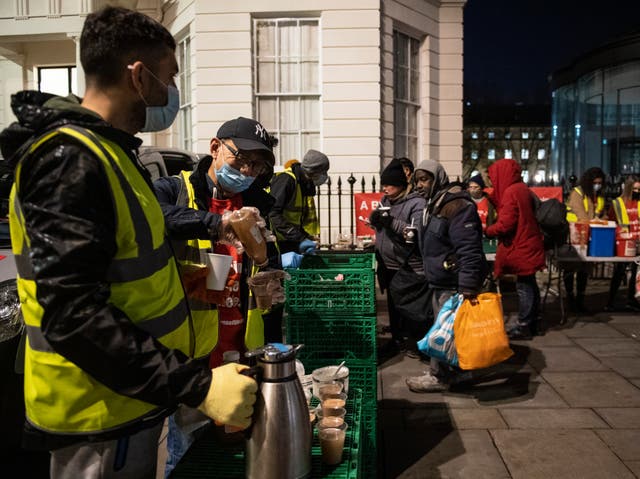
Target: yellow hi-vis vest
x,y
572,217
622,216
205,316
144,283
301,211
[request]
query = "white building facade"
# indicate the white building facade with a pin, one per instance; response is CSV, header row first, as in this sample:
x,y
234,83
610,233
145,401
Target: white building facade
x,y
361,80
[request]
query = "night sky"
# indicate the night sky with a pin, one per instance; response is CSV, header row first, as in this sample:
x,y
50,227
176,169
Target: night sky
x,y
511,46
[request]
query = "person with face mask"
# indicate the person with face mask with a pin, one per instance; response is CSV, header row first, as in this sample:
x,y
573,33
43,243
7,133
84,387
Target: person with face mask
x,y
452,257
624,211
486,210
585,203
293,216
226,320
109,353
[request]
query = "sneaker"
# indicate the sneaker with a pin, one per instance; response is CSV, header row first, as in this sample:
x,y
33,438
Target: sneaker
x,y
521,333
427,383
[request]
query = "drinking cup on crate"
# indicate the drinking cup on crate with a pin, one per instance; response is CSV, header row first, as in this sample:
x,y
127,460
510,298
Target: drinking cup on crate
x,y
332,443
327,374
331,405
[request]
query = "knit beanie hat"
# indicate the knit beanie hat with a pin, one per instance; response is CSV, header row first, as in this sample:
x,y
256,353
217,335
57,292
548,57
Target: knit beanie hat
x,y
477,179
393,174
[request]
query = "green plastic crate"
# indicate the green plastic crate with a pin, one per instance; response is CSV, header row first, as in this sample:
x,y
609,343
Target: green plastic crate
x,y
339,261
329,291
208,458
335,336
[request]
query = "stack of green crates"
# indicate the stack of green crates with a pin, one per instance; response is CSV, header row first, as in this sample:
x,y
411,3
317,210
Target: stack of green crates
x,y
331,309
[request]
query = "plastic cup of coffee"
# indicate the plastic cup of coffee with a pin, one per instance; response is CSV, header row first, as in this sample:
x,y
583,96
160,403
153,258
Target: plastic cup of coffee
x,y
334,418
330,404
218,265
330,389
328,374
332,443
262,295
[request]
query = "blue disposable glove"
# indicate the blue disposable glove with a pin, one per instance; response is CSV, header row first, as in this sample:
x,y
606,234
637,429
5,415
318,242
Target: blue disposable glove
x,y
307,246
291,260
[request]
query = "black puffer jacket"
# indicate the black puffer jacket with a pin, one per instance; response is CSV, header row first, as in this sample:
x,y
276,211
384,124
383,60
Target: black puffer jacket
x,y
70,219
451,236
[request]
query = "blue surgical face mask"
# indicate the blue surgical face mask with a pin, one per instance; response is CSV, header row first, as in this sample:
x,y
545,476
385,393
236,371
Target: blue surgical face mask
x,y
231,180
158,118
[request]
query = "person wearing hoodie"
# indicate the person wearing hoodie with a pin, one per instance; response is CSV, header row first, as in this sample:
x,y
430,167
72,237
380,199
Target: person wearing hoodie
x,y
453,260
405,209
109,349
520,242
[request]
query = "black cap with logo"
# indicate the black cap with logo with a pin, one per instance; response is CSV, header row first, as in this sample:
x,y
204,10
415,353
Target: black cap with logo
x,y
247,134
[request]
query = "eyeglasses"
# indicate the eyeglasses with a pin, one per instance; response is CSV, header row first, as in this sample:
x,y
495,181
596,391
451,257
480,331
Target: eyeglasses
x,y
249,163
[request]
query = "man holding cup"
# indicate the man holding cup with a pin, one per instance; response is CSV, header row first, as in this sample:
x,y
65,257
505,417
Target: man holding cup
x,y
195,203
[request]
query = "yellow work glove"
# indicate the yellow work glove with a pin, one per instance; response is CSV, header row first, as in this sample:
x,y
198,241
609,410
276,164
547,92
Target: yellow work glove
x,y
231,396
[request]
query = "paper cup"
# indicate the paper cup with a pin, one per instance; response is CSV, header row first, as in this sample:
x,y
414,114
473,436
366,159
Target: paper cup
x,y
218,265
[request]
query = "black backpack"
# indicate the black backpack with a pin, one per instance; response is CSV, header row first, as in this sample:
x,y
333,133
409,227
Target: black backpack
x,y
551,215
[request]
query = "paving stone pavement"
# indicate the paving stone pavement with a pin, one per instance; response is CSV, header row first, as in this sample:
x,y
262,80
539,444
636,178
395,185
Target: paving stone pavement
x,y
566,405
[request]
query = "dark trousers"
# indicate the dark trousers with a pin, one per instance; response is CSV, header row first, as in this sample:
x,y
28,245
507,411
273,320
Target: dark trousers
x,y
396,325
619,271
528,302
581,282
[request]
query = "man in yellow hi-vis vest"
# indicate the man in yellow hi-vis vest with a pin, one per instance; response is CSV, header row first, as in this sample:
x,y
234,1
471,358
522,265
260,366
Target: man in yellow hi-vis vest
x,y
109,335
293,216
225,320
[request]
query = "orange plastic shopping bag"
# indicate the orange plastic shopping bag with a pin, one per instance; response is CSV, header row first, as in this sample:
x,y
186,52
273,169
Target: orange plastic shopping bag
x,y
480,338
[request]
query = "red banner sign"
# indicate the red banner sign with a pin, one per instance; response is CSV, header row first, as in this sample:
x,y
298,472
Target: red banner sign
x,y
365,203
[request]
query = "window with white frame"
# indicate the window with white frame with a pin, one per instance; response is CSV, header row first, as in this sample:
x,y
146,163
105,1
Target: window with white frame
x,y
525,135
491,154
58,80
508,154
524,154
286,54
185,135
406,95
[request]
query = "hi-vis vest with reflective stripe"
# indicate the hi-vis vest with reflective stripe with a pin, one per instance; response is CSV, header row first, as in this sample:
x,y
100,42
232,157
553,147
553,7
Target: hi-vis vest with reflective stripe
x,y
572,217
205,318
144,284
622,215
302,212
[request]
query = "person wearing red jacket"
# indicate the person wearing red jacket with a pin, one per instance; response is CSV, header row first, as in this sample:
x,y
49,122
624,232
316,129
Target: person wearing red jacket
x,y
520,247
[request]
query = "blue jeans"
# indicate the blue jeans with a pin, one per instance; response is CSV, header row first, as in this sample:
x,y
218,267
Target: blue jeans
x,y
185,426
529,302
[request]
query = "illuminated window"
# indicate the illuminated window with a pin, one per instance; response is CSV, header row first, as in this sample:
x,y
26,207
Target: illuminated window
x,y
508,154
474,135
58,80
491,154
524,154
491,135
525,135
474,155
541,153
507,135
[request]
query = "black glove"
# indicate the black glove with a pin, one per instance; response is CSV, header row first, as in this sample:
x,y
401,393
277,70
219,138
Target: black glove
x,y
380,219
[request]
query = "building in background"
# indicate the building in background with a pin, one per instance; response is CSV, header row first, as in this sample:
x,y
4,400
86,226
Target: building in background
x,y
362,80
519,132
596,111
